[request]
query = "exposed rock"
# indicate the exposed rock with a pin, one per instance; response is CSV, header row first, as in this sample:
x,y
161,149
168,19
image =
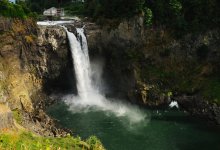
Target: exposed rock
x,y
55,36
197,106
53,51
6,117
155,58
33,61
5,24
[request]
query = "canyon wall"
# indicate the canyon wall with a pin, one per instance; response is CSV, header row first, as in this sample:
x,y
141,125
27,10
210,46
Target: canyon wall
x,y
149,67
34,62
152,67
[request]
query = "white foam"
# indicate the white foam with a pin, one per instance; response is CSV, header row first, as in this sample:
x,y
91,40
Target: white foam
x,y
174,104
98,103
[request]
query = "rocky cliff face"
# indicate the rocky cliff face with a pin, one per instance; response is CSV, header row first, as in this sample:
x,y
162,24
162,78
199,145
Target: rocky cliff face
x,y
152,67
33,62
6,119
148,67
113,43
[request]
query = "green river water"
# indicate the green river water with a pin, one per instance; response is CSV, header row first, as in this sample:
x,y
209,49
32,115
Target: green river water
x,y
161,130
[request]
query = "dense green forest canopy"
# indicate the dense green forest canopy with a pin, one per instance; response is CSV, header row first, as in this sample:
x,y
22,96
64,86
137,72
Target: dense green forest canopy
x,y
183,15
180,14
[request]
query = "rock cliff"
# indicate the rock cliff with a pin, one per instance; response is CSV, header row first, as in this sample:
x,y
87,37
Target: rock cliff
x,y
152,66
33,62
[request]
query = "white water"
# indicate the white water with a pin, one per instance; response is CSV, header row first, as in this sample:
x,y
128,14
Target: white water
x,y
174,104
89,97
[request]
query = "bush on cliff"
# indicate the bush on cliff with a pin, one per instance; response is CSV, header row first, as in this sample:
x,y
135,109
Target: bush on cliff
x,y
19,10
29,141
8,9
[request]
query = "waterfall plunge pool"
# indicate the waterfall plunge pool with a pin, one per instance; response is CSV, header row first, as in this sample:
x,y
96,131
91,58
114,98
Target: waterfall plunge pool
x,y
160,130
121,126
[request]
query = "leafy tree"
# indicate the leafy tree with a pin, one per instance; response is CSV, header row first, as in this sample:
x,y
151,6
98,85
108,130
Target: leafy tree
x,y
176,6
8,9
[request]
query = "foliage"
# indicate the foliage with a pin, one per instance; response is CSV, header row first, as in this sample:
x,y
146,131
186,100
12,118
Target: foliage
x,y
148,17
39,6
176,6
19,10
185,15
8,9
113,8
27,140
17,116
94,143
181,15
74,8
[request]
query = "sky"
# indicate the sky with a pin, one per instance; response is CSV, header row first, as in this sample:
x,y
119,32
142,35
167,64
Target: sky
x,y
12,1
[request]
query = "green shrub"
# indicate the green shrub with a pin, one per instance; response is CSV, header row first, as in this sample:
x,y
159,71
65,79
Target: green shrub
x,y
176,6
74,8
17,116
8,9
27,140
19,10
94,143
148,17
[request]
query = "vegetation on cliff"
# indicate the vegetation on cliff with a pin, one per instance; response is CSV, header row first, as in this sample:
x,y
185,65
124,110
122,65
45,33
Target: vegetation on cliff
x,y
29,141
176,14
20,10
22,89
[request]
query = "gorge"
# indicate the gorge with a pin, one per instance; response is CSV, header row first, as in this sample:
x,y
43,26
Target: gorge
x,y
117,123
148,69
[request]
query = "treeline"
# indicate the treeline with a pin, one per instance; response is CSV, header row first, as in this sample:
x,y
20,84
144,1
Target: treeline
x,y
39,5
20,10
112,8
178,14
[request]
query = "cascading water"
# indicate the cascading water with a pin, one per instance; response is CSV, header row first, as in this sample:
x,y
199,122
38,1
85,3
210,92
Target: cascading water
x,y
81,63
90,113
89,97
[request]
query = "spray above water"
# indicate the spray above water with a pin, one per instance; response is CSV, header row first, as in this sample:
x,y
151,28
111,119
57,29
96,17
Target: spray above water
x,y
89,96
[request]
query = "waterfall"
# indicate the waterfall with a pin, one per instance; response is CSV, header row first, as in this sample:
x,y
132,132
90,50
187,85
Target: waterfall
x,y
87,93
79,51
89,97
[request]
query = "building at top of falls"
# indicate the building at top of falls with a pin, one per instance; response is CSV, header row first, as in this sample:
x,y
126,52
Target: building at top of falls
x,y
54,12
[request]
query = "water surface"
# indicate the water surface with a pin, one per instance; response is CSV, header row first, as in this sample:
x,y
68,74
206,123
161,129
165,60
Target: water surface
x,y
161,130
